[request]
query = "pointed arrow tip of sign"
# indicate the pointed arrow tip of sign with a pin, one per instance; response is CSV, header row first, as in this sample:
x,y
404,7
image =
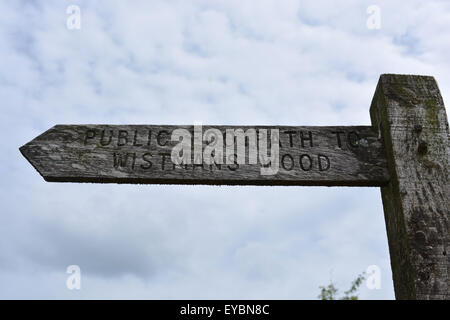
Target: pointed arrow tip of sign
x,y
25,150
33,151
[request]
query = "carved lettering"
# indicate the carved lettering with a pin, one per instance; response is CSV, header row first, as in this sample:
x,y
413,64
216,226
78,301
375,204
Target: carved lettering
x,y
146,157
323,159
338,137
135,139
123,138
163,135
287,165
291,141
352,139
309,138
102,138
308,160
90,134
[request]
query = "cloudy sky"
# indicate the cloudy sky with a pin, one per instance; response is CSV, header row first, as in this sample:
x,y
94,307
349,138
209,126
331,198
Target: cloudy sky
x,y
289,62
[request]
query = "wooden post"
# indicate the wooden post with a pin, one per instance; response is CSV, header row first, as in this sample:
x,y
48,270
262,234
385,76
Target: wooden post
x,y
409,113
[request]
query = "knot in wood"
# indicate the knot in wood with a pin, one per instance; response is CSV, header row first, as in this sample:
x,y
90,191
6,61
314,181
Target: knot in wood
x,y
423,147
418,128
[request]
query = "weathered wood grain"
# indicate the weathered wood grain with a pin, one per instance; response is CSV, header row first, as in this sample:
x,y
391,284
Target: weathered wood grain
x,y
331,156
410,114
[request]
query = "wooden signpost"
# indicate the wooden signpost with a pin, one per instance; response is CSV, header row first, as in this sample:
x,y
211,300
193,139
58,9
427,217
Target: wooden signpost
x,y
405,152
